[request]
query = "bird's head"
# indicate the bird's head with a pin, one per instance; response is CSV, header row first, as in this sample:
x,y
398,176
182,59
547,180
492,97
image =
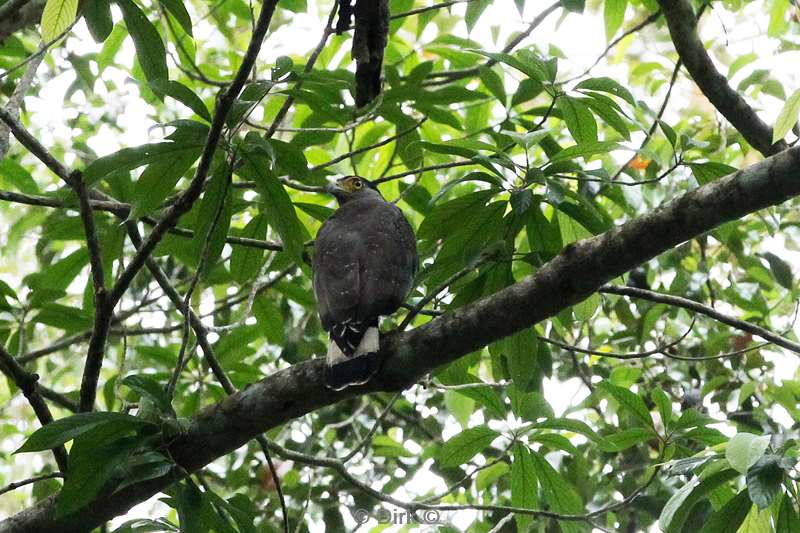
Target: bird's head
x,y
350,188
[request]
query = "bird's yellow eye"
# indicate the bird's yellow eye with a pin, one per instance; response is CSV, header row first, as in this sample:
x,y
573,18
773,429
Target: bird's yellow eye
x,y
357,183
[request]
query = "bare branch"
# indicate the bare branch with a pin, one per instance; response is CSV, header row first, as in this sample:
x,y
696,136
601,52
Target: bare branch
x,y
22,483
15,102
703,309
92,243
682,24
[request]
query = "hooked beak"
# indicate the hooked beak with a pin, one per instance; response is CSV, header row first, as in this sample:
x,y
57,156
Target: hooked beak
x,y
333,187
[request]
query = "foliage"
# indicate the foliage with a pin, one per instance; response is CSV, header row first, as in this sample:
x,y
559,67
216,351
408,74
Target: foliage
x,y
501,160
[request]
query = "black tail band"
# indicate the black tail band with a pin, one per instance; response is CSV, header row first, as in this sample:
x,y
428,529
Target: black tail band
x,y
355,371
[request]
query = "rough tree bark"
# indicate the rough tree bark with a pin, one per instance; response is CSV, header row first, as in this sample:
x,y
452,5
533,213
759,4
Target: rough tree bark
x,y
577,272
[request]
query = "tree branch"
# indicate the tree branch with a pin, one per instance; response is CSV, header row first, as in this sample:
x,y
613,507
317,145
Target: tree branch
x,y
186,199
452,75
682,24
576,273
703,309
27,383
26,14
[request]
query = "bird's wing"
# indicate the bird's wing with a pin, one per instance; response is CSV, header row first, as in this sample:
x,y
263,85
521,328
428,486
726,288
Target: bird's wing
x,y
336,272
388,261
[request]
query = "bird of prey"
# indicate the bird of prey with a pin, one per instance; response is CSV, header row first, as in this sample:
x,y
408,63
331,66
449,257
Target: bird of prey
x,y
370,36
365,260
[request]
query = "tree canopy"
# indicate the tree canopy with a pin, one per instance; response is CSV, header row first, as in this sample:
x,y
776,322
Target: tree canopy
x,y
602,333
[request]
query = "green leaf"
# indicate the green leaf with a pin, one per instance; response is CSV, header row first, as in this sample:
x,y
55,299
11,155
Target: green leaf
x,y
730,516
614,16
110,48
182,94
144,466
532,69
190,504
757,521
521,351
148,387
91,465
780,270
447,217
159,179
278,209
246,260
609,115
523,484
147,41
130,158
677,509
63,430
488,476
630,402
586,309
708,172
575,426
664,405
270,320
217,191
579,119
778,23
487,397
63,317
492,81
788,520
464,446
318,212
56,17
419,73
98,19
622,440
787,118
290,159
57,276
14,174
557,492
178,10
584,150
745,449
607,85
474,10
764,480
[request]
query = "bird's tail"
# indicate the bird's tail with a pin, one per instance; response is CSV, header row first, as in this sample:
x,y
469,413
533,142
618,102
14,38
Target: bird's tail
x,y
352,357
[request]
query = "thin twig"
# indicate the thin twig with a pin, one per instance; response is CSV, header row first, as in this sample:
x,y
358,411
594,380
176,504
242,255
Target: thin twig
x,y
22,483
15,101
27,383
363,149
208,351
646,22
703,309
442,286
312,59
661,349
452,75
186,200
368,437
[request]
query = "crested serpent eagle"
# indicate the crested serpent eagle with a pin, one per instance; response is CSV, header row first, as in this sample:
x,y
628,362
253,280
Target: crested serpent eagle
x,y
365,259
